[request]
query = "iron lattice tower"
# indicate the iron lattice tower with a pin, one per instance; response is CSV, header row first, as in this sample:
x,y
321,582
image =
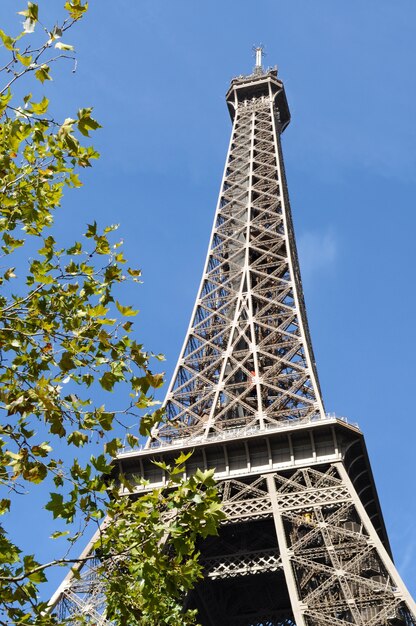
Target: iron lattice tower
x,y
304,542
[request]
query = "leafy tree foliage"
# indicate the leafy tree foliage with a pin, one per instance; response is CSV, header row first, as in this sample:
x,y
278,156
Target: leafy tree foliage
x,y
65,339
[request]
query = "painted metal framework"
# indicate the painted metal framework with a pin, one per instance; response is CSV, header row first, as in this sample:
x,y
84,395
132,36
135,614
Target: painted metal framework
x,y
304,542
336,569
247,360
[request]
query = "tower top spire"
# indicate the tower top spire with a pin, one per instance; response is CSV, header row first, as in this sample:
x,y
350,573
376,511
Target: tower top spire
x,y
258,52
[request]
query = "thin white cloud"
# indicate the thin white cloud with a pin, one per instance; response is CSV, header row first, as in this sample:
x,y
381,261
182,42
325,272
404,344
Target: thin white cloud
x,y
406,561
317,252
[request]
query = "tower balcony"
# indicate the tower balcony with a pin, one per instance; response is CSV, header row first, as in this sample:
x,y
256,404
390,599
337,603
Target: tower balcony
x,y
260,84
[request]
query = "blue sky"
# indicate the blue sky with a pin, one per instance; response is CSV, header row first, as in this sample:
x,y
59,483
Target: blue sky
x,y
156,73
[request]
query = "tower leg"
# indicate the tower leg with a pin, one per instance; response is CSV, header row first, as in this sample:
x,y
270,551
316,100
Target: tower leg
x,y
336,567
299,548
382,552
297,608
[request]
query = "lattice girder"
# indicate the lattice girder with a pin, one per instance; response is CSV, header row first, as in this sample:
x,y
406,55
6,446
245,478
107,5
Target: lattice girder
x,y
247,358
340,572
83,596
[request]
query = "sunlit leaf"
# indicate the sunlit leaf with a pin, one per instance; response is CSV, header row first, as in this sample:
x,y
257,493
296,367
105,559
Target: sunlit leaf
x,y
42,73
63,46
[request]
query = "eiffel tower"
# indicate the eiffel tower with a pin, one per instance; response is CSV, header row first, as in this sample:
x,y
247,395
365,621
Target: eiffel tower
x,y
304,542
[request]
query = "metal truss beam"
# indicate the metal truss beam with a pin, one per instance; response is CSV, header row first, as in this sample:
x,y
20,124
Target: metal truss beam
x,y
247,359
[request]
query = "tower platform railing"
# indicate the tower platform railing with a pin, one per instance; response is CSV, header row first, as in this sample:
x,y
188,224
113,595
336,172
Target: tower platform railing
x,y
233,433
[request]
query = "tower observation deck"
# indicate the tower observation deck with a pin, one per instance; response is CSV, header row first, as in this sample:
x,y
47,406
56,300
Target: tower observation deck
x,y
304,542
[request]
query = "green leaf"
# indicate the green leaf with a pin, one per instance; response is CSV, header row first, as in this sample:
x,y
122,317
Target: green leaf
x,y
55,504
42,73
58,534
146,424
32,11
4,100
77,438
24,60
112,447
183,457
100,464
102,245
4,506
41,107
132,440
8,42
76,9
56,426
67,362
126,310
91,230
36,474
97,311
85,122
75,181
149,420
37,577
205,477
155,380
162,465
108,380
42,450
11,243
111,228
134,272
9,273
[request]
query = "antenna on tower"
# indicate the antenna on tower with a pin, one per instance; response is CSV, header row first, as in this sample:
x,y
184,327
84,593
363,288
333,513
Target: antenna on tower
x,y
258,54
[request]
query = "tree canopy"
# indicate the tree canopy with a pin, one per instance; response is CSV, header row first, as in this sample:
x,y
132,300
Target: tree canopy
x,y
66,339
